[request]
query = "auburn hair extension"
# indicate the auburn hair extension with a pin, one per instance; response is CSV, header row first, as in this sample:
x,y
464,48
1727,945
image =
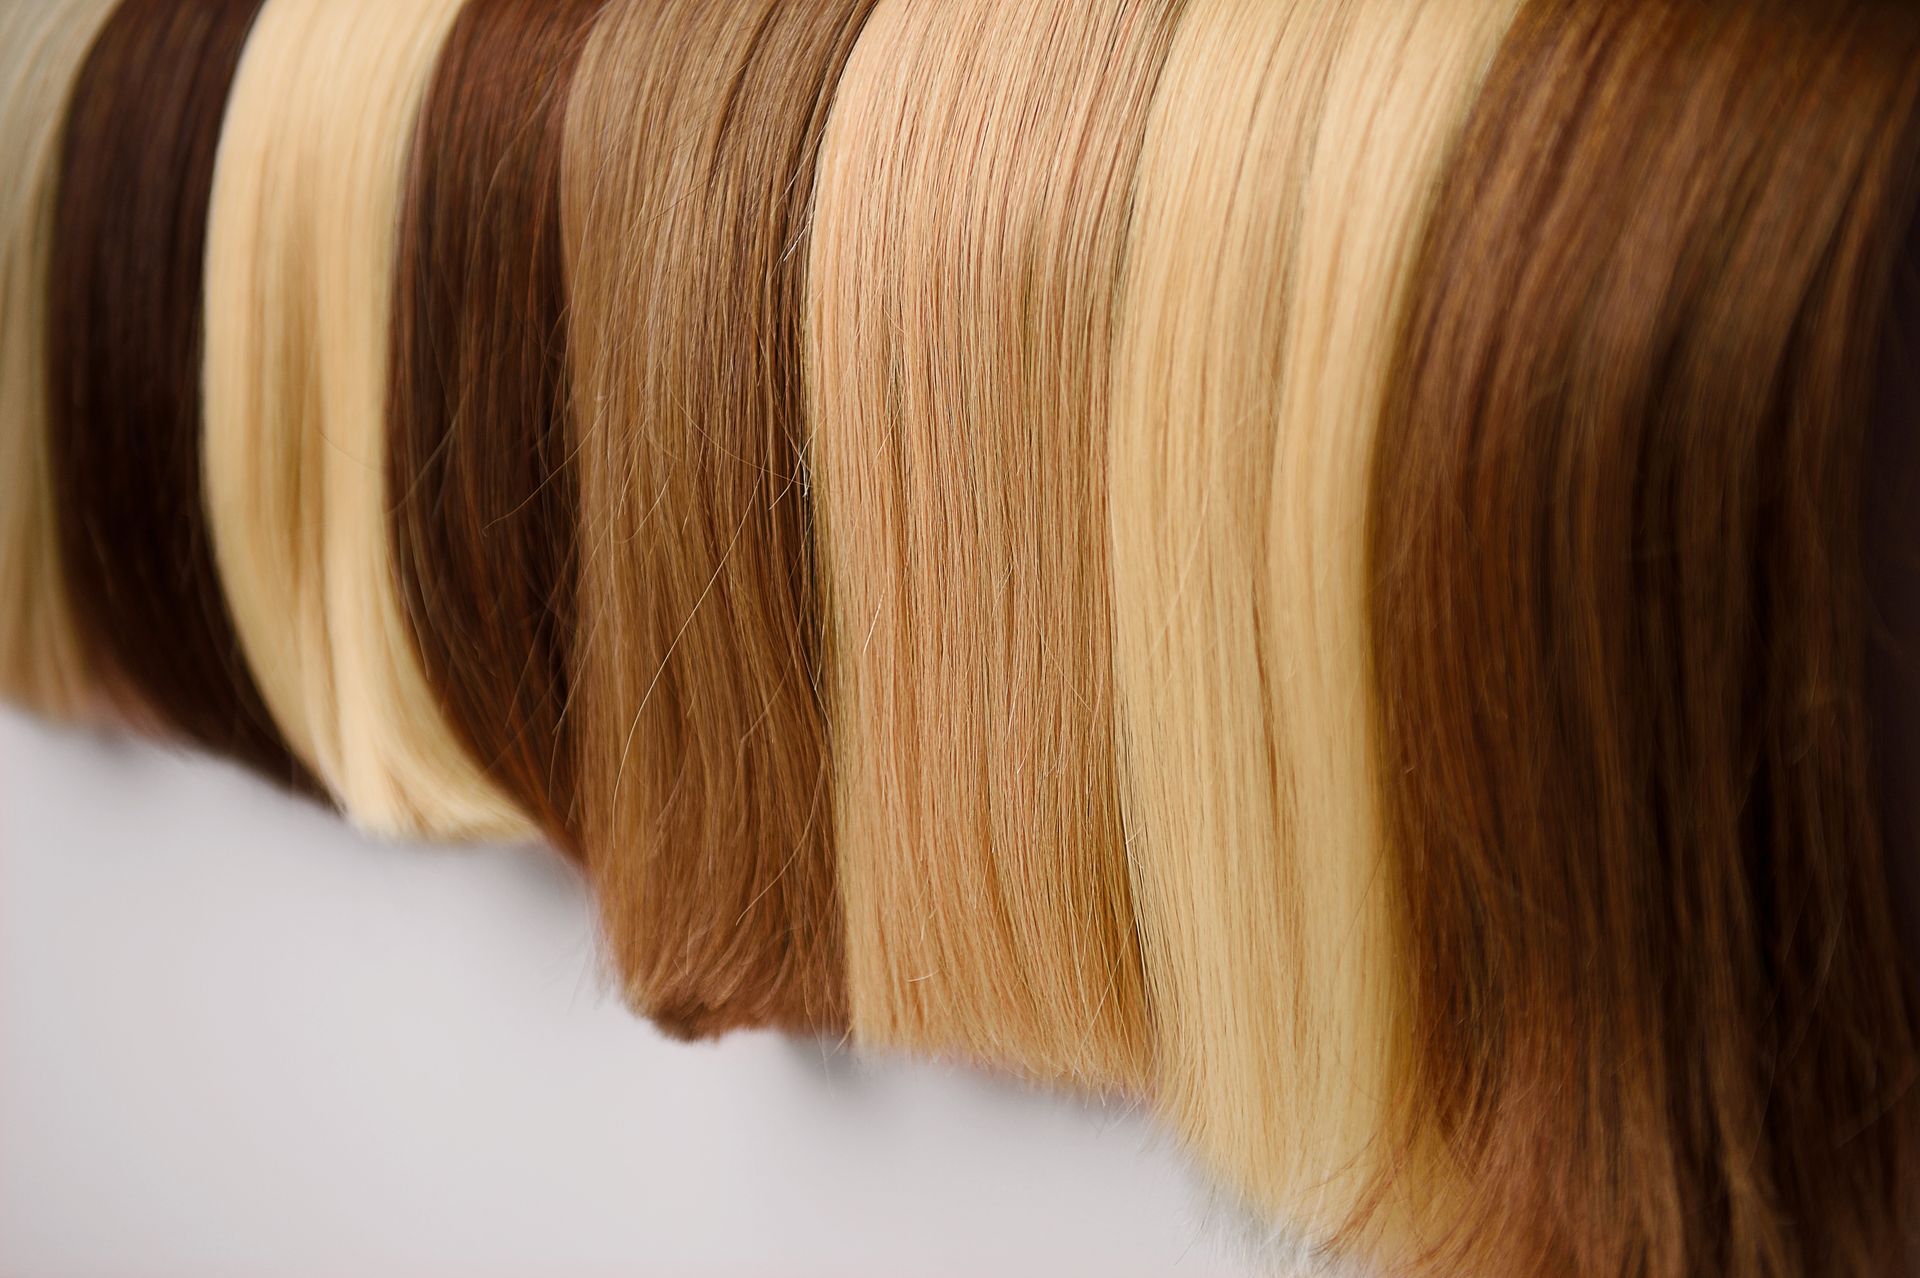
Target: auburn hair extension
x,y
1288,165
1619,632
302,245
483,507
702,734
127,265
967,255
42,44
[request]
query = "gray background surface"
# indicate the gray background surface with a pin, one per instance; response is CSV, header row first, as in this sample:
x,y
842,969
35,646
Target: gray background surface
x,y
236,1038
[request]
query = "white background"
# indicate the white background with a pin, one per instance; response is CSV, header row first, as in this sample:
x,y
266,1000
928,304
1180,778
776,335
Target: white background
x,y
238,1039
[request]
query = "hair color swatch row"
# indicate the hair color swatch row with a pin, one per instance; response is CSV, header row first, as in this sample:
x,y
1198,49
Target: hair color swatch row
x,y
1342,567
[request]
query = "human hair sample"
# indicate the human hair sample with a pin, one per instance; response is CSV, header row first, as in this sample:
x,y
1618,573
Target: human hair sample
x,y
1619,629
1289,163
1892,524
302,239
968,247
484,506
702,746
1892,517
42,45
123,314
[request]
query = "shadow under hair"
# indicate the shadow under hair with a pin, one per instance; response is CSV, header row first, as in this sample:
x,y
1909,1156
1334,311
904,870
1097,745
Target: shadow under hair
x,y
123,353
702,746
484,504
1620,631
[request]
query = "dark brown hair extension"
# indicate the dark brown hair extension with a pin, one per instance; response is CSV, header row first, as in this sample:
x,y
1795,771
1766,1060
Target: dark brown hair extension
x,y
485,503
1620,627
124,333
691,138
1893,563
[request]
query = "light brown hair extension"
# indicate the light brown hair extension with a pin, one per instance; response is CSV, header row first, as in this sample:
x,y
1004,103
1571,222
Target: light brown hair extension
x,y
704,802
124,371
967,257
1290,159
42,45
484,505
1619,630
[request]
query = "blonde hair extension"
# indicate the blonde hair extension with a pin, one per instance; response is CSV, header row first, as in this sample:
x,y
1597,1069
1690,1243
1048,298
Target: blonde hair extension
x,y
1288,166
968,237
42,46
300,264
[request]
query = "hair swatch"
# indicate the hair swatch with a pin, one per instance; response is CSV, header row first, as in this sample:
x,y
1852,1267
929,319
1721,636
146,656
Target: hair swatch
x,y
702,737
127,267
967,255
1344,565
484,504
42,45
1288,166
302,249
1892,518
1619,632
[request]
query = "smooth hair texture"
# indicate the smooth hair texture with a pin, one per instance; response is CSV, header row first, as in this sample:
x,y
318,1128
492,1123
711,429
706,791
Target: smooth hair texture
x,y
42,45
1893,563
484,505
300,268
707,816
1288,166
967,256
123,314
1619,631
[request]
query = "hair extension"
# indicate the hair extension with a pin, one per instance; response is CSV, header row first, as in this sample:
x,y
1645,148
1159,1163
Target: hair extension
x,y
484,504
42,44
702,735
1288,164
967,257
1619,629
1892,525
302,241
1892,522
123,344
